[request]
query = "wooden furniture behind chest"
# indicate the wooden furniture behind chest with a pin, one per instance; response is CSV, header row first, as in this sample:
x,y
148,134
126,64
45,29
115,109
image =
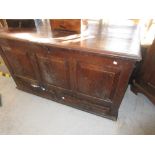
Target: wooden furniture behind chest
x,y
145,80
20,23
66,24
88,72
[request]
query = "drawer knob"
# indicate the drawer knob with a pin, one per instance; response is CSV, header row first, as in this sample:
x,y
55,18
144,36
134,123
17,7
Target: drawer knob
x,y
35,86
115,62
43,88
63,97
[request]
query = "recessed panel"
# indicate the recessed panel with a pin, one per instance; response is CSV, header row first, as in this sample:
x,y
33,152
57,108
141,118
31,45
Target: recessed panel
x,y
20,63
97,81
54,71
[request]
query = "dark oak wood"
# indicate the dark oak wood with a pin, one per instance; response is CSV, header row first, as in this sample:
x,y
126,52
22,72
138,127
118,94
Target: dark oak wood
x,y
145,80
87,71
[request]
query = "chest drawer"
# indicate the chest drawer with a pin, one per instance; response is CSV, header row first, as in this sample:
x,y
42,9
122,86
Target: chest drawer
x,y
82,103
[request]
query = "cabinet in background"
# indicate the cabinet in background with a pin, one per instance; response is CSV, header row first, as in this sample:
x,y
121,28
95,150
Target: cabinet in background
x,y
145,79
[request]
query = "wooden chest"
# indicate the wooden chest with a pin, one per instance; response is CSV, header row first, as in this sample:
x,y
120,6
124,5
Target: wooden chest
x,y
86,72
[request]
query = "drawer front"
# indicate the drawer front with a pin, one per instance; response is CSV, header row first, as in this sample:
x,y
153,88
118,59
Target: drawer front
x,y
82,103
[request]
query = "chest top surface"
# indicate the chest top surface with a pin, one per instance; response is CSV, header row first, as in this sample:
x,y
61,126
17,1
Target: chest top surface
x,y
102,38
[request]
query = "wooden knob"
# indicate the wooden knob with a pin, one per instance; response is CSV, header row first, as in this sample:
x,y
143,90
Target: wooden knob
x,y
43,88
115,62
35,86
